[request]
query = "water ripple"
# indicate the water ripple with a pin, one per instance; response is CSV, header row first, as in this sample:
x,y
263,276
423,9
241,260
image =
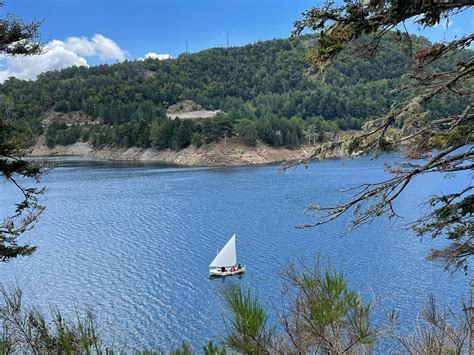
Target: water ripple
x,y
135,241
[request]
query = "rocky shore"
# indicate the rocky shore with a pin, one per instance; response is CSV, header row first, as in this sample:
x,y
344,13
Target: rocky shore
x,y
231,153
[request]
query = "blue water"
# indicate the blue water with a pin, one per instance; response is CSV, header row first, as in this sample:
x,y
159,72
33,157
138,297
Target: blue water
x,y
134,241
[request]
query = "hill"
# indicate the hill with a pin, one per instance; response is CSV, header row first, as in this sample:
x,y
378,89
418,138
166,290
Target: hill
x,y
262,92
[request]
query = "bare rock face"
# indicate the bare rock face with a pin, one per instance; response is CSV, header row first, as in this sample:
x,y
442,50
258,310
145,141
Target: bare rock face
x,y
188,109
184,106
223,153
69,119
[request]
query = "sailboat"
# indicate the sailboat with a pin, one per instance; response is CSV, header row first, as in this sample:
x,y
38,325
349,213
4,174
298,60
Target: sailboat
x,y
225,263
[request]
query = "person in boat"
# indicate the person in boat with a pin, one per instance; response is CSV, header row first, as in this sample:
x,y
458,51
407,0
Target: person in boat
x,y
239,266
233,269
223,269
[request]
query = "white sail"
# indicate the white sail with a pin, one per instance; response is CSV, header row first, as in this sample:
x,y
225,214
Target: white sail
x,y
227,256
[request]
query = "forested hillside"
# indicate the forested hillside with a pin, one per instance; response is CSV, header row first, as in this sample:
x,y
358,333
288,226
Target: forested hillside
x,y
265,90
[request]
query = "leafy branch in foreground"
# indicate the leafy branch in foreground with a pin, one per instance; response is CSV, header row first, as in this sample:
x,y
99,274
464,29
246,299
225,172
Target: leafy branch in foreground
x,y
13,169
324,314
18,38
440,144
27,331
319,314
247,324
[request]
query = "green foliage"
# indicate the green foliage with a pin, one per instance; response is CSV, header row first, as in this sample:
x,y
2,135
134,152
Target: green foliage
x,y
248,322
165,134
215,128
185,349
17,37
60,134
247,131
62,106
13,141
269,83
451,217
197,139
27,331
185,133
321,316
211,349
431,121
340,24
327,314
460,135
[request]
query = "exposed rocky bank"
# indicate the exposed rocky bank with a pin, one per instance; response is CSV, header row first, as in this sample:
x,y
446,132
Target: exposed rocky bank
x,y
232,153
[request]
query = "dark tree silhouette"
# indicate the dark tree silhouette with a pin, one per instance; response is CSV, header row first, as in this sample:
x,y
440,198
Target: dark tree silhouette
x,y
18,38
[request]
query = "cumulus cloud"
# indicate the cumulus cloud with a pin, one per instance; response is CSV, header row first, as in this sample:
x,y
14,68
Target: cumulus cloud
x,y
80,45
153,55
108,49
61,54
98,45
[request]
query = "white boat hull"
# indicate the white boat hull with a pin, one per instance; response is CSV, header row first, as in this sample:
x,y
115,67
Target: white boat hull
x,y
217,272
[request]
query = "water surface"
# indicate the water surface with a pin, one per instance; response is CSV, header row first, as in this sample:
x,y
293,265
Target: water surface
x,y
135,240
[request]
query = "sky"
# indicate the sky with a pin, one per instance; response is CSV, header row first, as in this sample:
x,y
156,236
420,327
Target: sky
x,y
90,32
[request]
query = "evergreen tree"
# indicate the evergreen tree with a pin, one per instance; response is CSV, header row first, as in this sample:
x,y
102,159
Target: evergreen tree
x,y
247,131
441,142
17,38
266,81
185,133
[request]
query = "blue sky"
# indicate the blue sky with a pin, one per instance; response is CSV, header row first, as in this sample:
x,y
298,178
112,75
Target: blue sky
x,y
163,26
130,29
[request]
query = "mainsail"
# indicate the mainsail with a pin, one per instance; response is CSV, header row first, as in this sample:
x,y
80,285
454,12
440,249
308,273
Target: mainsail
x,y
227,256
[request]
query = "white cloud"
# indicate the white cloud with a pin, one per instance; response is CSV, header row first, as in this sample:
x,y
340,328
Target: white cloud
x,y
108,49
153,55
80,45
61,54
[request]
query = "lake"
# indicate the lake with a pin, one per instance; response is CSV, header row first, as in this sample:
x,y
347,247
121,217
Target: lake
x,y
135,240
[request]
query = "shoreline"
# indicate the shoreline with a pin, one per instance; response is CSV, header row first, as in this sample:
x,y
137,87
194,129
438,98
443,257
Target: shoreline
x,y
217,154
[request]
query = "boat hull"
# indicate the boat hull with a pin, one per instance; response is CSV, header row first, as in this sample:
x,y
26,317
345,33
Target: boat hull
x,y
218,272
